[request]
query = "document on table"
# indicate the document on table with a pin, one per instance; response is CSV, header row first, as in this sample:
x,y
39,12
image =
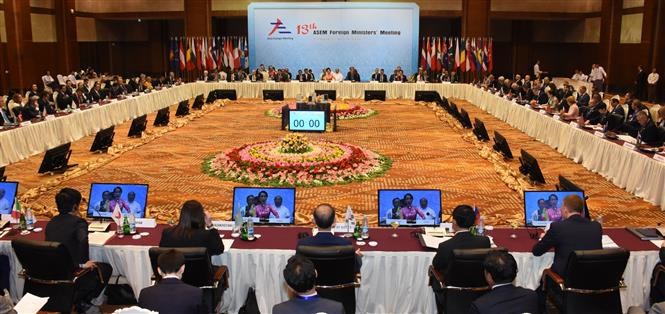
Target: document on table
x,y
30,304
627,138
227,244
99,238
608,243
658,243
432,242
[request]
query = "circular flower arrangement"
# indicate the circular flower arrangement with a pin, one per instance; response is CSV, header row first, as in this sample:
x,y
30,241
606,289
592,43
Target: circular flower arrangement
x,y
344,111
295,160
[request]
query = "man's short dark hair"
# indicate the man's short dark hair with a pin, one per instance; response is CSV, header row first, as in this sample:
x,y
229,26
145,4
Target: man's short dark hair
x,y
66,199
324,216
464,216
300,274
501,265
170,261
601,106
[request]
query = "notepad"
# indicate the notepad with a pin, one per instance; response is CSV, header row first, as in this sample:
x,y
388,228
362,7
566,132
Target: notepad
x,y
432,242
99,238
30,304
608,243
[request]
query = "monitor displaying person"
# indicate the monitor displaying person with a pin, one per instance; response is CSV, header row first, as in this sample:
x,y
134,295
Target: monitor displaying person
x,y
544,207
105,197
265,205
410,207
7,196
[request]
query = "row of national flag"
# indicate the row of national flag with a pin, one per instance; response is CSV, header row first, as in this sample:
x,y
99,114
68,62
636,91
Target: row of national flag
x,y
208,53
457,54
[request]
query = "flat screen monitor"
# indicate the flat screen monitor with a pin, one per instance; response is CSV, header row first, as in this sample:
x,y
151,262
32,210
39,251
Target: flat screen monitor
x,y
410,207
307,120
530,167
501,145
129,197
480,131
7,196
265,205
544,207
464,119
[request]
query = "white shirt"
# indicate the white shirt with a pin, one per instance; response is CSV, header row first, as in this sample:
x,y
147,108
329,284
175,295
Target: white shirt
x,y
135,207
501,285
282,211
652,78
536,69
47,79
429,214
4,205
222,75
580,77
597,74
338,77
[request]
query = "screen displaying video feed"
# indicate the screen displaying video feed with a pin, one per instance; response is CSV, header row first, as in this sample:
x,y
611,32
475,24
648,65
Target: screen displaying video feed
x,y
104,197
265,205
544,207
7,196
410,207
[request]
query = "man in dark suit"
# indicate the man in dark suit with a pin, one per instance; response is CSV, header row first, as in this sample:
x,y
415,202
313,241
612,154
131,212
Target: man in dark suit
x,y
597,114
72,231
640,83
63,100
324,217
300,277
44,104
500,272
463,218
573,233
583,97
171,295
648,132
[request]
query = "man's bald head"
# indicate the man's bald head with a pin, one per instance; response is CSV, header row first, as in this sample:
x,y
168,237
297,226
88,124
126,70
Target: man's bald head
x,y
324,216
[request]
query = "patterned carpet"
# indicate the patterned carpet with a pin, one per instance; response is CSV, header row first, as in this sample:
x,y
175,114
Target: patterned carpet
x,y
426,153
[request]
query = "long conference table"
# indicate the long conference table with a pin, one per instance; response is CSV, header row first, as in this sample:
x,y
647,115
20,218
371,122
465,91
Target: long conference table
x,y
394,273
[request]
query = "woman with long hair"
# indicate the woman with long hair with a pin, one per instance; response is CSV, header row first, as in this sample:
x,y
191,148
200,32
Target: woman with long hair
x,y
194,229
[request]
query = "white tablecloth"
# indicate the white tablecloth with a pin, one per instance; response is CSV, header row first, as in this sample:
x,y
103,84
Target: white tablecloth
x,y
30,140
392,282
637,173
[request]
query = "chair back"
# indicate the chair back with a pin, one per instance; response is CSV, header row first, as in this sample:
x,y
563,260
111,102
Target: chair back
x,y
335,265
48,268
464,279
595,269
198,269
44,260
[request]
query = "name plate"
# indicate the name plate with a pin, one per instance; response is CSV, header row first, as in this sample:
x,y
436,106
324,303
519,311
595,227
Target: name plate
x,y
269,81
659,157
527,105
599,134
146,223
446,225
373,82
50,117
628,145
77,110
343,228
26,123
94,106
542,111
397,82
573,124
223,225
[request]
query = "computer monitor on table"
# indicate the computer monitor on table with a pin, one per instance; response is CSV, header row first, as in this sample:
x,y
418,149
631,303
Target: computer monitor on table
x,y
544,207
7,196
265,205
410,207
128,197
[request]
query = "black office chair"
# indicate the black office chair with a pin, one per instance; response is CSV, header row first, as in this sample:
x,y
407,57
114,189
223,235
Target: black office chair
x,y
199,272
48,271
657,293
463,281
591,283
336,269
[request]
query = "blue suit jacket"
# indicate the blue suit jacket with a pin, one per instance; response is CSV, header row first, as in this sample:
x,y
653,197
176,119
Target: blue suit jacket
x,y
324,239
314,305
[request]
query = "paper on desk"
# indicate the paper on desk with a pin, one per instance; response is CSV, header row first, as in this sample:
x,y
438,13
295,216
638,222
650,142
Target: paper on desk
x,y
30,304
99,238
608,243
658,243
433,242
227,244
627,138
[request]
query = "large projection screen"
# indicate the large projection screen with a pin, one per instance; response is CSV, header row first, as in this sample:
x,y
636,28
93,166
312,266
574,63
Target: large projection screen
x,y
335,35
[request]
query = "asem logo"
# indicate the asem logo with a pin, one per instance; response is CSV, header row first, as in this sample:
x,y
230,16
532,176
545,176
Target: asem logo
x,y
279,27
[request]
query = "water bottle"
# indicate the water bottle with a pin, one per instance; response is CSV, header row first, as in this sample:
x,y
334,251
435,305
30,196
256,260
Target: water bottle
x,y
480,229
132,223
125,225
29,219
365,232
250,229
349,218
237,225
